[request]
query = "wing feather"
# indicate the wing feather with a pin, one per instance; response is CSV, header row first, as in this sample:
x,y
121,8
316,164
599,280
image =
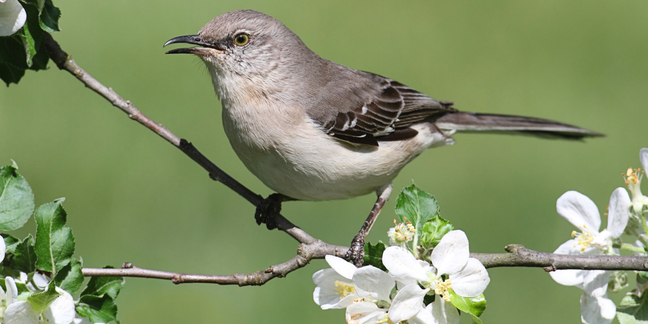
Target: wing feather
x,y
387,116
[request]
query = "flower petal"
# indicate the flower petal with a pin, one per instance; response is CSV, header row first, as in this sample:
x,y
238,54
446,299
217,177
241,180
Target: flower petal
x,y
407,303
618,212
424,316
12,17
325,293
364,312
568,277
12,290
452,253
444,312
321,275
61,311
643,157
596,310
595,282
373,283
3,248
437,312
40,280
579,210
403,266
341,266
472,280
21,313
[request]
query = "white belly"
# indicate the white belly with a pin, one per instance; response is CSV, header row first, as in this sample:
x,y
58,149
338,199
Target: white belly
x,y
300,161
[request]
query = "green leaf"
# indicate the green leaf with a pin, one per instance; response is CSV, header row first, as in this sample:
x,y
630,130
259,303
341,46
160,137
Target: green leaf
x,y
70,278
433,230
416,206
12,52
110,286
10,242
39,61
16,199
633,309
24,255
54,240
49,16
476,319
474,306
642,280
10,74
41,301
32,35
373,255
97,309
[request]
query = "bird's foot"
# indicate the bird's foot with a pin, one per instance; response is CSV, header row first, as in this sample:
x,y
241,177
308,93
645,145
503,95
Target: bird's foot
x,y
356,251
269,209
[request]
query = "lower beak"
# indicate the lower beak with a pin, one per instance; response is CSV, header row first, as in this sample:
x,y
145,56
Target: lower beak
x,y
208,48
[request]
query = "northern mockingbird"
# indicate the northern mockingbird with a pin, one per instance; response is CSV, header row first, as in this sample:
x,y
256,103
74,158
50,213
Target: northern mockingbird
x,y
312,129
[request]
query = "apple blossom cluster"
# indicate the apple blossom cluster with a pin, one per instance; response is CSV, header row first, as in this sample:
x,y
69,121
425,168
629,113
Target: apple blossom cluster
x,y
15,309
426,276
38,274
625,214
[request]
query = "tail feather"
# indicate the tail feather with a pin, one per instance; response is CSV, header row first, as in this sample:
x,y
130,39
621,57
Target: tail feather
x,y
476,122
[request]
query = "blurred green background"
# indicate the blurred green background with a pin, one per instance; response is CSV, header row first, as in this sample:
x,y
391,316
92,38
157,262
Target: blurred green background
x,y
133,197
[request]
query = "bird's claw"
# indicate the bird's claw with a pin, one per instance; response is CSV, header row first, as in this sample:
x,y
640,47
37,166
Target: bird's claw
x,y
356,251
267,211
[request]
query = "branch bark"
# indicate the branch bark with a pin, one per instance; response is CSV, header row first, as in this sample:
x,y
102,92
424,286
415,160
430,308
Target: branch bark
x,y
519,256
516,256
310,247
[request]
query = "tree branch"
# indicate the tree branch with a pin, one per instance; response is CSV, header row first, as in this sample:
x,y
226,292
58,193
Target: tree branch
x,y
306,252
64,62
310,247
519,256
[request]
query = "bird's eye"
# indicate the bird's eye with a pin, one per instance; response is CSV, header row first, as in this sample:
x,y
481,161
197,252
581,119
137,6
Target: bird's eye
x,y
241,39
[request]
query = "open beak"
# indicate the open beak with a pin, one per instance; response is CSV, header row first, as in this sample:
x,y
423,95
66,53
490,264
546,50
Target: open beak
x,y
207,49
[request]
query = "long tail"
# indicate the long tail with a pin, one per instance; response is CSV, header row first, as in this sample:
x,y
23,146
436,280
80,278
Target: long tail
x,y
476,122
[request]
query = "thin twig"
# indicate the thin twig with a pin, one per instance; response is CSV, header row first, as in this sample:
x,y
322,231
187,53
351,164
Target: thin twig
x,y
310,248
305,253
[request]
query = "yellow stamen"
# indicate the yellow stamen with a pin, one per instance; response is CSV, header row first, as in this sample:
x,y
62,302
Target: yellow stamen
x,y
343,289
403,232
442,288
583,239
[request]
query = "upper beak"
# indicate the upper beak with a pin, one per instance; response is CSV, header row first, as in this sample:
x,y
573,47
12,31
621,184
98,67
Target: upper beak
x,y
192,39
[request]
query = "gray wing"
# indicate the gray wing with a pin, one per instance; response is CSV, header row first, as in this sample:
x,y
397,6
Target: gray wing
x,y
379,110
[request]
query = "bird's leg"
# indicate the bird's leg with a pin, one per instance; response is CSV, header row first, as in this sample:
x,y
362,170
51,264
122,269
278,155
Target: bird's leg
x,y
356,251
269,208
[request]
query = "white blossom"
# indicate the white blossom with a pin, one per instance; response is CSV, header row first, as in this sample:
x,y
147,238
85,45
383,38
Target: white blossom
x,y
466,276
633,180
12,17
60,311
581,211
335,287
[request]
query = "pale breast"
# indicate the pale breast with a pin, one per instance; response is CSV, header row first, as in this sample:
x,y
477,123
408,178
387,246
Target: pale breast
x,y
294,157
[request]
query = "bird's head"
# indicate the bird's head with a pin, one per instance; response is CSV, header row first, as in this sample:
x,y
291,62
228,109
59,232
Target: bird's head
x,y
244,48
